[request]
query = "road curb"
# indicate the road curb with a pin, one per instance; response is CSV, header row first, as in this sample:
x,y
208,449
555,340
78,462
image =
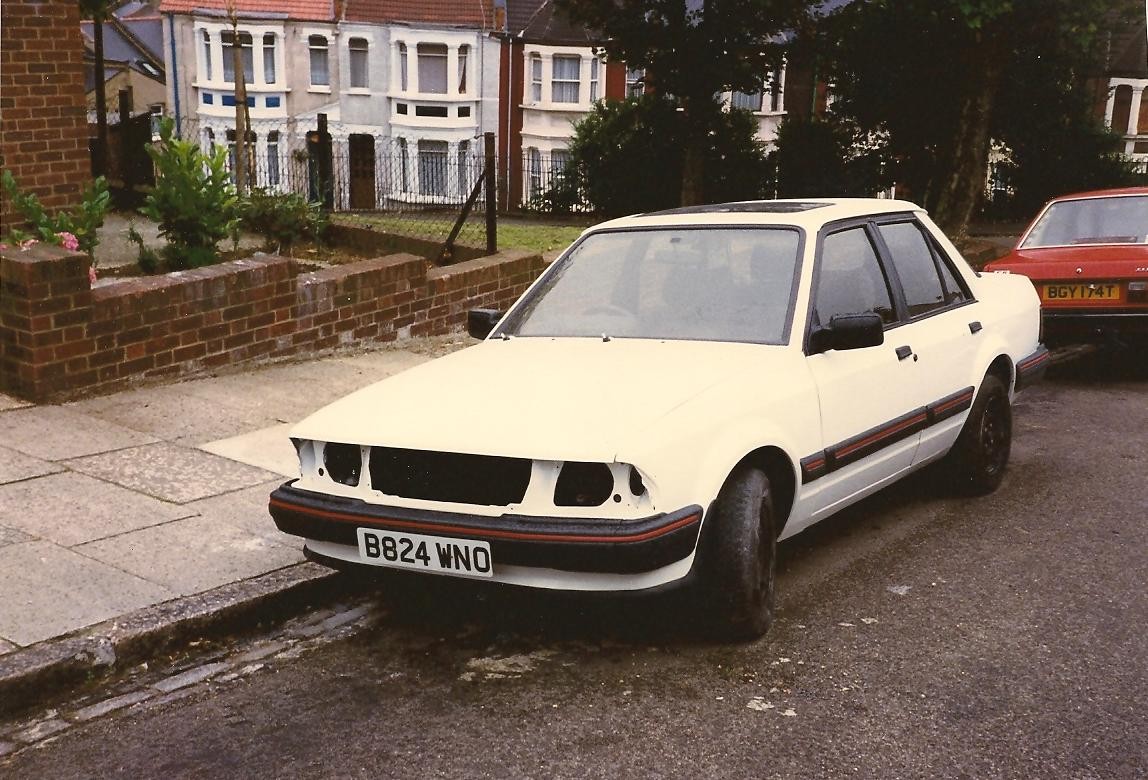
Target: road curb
x,y
40,672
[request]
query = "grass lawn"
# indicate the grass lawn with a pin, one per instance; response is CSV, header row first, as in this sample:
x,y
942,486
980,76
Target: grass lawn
x,y
513,232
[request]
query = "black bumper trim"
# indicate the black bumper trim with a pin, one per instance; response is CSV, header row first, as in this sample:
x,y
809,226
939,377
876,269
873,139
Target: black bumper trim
x,y
588,545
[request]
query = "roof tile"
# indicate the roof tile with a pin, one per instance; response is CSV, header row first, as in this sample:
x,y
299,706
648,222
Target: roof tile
x,y
310,10
460,13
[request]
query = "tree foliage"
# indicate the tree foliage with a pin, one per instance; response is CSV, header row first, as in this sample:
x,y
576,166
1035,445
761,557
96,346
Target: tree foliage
x,y
939,79
628,156
694,51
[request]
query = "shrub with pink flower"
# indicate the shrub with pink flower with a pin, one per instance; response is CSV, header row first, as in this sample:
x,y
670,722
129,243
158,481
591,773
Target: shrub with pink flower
x,y
68,241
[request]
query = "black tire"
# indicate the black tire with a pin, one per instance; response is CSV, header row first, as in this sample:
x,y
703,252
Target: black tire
x,y
739,558
980,454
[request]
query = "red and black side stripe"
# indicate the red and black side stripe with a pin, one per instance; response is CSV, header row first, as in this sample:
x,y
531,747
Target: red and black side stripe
x,y
865,444
1031,369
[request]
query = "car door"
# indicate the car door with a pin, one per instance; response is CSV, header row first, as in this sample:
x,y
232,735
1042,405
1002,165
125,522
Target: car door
x,y
940,332
870,424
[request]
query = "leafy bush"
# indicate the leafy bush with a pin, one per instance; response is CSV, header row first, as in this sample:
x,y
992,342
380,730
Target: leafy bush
x,y
283,218
822,158
193,201
82,223
627,157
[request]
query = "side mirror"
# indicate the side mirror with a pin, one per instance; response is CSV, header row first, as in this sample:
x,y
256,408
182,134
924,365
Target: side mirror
x,y
850,331
480,322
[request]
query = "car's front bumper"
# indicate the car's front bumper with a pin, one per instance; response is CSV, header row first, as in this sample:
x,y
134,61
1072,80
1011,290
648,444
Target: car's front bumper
x,y
592,545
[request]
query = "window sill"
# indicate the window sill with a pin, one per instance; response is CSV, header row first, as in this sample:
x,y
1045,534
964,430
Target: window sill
x,y
321,89
358,91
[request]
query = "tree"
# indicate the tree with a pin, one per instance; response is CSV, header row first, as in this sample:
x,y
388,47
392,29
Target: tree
x,y
99,11
694,50
628,156
935,77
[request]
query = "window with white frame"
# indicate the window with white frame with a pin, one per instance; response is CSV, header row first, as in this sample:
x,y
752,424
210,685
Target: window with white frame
x,y
432,167
635,82
463,51
207,71
269,58
320,72
227,37
749,101
536,78
358,56
404,161
566,79
273,158
534,171
432,68
403,67
594,65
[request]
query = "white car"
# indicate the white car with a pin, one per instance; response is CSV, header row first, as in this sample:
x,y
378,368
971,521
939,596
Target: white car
x,y
675,394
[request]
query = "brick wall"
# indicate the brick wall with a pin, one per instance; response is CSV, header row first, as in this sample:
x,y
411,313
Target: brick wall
x,y
44,133
59,338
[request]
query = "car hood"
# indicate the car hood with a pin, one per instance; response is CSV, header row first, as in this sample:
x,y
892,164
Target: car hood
x,y
1113,261
552,399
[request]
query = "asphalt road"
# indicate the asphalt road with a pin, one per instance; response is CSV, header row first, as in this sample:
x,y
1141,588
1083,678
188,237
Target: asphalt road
x,y
918,635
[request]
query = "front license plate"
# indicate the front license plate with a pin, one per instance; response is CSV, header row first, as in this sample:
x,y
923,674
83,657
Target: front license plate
x,y
425,553
1106,291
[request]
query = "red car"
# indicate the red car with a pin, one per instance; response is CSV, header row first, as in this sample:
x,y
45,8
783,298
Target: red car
x,y
1087,255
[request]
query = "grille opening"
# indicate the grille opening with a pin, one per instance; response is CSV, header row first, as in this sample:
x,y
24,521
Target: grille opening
x,y
449,476
343,462
583,484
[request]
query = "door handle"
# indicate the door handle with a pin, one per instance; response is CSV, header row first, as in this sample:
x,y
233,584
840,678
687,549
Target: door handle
x,y
975,327
904,352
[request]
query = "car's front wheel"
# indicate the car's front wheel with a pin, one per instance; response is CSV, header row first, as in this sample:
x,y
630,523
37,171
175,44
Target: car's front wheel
x,y
739,557
981,452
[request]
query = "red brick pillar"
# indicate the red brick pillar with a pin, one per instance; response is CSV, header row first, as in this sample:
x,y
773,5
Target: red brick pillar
x,y
44,135
45,308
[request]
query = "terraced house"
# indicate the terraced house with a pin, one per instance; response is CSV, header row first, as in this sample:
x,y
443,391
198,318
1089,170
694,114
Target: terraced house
x,y
406,88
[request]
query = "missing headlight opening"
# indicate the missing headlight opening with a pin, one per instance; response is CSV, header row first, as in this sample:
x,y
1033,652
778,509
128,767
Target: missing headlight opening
x,y
344,462
637,486
583,484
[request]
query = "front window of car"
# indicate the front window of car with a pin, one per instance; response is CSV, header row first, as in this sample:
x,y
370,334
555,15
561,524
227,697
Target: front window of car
x,y
711,284
1119,219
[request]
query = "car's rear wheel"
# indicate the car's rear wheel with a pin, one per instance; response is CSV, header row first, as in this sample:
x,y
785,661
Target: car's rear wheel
x,y
739,557
980,454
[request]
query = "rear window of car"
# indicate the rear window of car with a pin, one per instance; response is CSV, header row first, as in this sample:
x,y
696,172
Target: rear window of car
x,y
711,284
1118,219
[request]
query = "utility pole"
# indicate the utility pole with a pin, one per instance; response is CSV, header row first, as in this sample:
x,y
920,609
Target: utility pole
x,y
241,115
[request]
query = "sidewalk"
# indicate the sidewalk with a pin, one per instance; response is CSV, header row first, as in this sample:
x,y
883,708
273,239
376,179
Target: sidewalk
x,y
115,504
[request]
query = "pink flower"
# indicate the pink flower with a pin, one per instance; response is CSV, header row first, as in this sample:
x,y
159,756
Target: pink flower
x,y
68,241
3,247
91,275
29,243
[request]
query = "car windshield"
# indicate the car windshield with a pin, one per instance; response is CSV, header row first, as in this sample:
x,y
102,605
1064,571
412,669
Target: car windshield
x,y
711,284
1111,220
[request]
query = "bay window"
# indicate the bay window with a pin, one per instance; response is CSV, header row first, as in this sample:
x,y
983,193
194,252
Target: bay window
x,y
320,73
432,68
565,83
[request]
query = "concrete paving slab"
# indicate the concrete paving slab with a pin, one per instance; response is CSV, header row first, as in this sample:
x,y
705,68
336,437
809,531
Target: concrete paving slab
x,y
6,647
171,472
12,536
57,433
269,449
192,555
172,413
50,591
15,466
247,510
71,509
9,402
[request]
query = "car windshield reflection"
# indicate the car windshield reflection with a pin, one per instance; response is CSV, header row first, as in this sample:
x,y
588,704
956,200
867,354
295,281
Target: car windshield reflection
x,y
1109,220
719,284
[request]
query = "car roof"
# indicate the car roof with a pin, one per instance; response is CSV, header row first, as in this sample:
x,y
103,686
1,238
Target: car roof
x,y
1102,193
808,213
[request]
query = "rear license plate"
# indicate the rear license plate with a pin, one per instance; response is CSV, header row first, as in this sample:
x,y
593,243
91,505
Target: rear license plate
x,y
1107,291
425,553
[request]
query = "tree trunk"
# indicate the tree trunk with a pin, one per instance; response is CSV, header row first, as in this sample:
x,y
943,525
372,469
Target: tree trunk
x,y
240,105
100,153
961,191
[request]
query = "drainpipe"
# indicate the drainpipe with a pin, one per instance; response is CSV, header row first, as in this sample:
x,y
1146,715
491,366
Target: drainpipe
x,y
174,76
